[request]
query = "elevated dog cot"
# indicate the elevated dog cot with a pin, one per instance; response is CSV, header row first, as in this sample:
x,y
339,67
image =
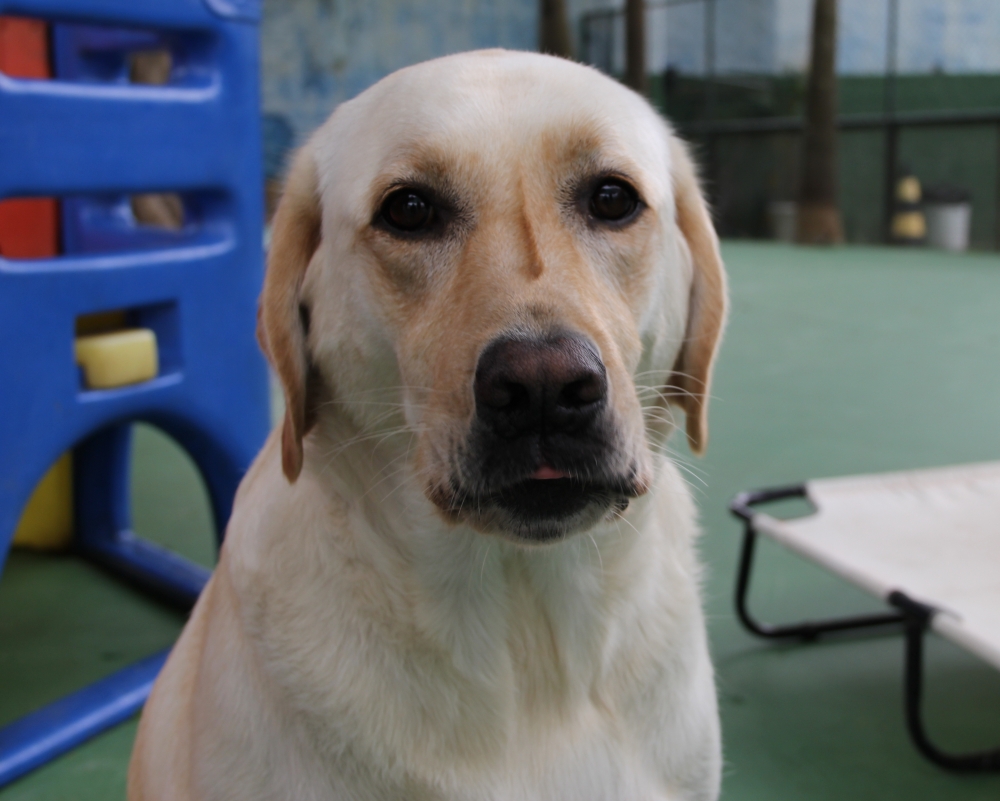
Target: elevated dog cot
x,y
927,542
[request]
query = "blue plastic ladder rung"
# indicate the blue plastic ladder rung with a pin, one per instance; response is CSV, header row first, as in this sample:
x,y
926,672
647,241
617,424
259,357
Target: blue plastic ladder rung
x,y
190,130
62,725
148,13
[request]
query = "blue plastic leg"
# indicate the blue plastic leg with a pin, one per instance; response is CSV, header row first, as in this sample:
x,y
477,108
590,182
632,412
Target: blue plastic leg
x,y
55,729
150,567
104,536
103,525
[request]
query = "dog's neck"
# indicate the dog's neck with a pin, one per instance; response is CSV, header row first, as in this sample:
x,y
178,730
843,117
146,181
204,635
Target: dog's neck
x,y
487,604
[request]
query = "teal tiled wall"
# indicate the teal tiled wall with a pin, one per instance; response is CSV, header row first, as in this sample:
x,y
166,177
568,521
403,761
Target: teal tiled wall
x,y
318,53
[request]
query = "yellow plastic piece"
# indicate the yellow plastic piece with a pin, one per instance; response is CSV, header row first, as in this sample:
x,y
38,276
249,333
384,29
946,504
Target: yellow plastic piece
x,y
908,190
118,358
46,523
909,225
112,359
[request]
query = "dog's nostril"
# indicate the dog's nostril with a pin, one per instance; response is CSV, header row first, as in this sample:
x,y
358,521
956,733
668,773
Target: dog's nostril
x,y
582,392
517,396
501,395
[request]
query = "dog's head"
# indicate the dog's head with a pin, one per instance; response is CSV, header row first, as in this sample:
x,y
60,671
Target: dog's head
x,y
508,256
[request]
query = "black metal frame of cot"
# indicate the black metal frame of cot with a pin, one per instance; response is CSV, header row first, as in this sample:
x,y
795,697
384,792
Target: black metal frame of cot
x,y
913,616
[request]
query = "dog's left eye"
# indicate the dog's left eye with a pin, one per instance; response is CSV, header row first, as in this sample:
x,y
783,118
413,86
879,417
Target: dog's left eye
x,y
613,201
407,210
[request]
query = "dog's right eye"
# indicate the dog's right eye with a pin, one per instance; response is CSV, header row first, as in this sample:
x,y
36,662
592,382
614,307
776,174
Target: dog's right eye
x,y
407,210
613,200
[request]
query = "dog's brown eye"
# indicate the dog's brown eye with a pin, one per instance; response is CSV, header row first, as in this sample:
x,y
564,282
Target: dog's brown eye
x,y
613,200
407,210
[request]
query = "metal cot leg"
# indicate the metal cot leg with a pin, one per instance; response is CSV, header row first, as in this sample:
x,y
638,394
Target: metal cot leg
x,y
917,620
806,630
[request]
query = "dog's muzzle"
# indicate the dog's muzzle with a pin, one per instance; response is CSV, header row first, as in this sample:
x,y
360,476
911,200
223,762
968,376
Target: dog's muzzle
x,y
543,457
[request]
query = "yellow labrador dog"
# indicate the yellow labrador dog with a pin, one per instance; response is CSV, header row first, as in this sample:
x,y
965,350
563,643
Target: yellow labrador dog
x,y
464,568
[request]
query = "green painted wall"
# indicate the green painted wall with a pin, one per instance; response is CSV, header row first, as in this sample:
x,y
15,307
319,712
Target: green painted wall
x,y
754,169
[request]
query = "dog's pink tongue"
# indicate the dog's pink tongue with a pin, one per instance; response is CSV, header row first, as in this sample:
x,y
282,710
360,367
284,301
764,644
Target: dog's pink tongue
x,y
545,472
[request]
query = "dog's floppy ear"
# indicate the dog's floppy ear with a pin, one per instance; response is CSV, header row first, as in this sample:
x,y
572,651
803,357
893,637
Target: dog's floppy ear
x,y
282,319
691,380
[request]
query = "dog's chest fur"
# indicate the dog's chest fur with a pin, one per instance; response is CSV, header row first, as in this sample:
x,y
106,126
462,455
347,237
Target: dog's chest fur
x,y
440,665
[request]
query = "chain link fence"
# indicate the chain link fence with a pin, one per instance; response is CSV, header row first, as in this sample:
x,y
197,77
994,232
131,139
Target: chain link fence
x,y
918,89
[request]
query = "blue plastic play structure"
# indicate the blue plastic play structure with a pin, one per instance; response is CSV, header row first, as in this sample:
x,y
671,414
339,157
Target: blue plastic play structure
x,y
93,139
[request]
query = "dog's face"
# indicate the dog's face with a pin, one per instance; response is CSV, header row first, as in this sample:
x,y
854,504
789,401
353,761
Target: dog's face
x,y
511,251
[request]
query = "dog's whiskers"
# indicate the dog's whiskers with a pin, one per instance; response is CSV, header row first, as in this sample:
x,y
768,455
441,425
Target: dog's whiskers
x,y
600,560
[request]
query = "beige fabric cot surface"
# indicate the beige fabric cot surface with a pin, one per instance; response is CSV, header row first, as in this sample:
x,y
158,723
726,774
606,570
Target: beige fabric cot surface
x,y
932,534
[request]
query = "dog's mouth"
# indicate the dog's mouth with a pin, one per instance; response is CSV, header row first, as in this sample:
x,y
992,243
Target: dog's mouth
x,y
554,498
540,509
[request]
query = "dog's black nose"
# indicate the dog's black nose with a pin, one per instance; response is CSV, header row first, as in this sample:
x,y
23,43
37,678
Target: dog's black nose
x,y
539,385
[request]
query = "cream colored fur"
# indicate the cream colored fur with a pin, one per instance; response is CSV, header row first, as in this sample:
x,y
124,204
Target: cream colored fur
x,y
357,642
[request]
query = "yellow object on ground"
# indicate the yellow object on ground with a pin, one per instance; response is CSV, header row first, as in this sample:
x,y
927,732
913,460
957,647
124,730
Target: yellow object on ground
x,y
112,359
46,523
909,225
117,358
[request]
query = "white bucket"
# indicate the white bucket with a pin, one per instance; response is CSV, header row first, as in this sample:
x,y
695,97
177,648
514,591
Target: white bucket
x,y
948,225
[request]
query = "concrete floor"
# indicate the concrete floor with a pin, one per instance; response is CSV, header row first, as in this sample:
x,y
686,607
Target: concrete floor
x,y
836,361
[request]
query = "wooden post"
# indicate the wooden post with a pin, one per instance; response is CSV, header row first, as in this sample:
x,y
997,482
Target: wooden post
x,y
553,33
635,45
819,220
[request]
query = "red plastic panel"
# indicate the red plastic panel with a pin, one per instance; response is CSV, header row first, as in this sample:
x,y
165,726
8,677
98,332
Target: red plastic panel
x,y
29,227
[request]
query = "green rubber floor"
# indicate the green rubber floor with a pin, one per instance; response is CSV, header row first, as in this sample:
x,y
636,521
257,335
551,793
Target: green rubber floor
x,y
836,361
